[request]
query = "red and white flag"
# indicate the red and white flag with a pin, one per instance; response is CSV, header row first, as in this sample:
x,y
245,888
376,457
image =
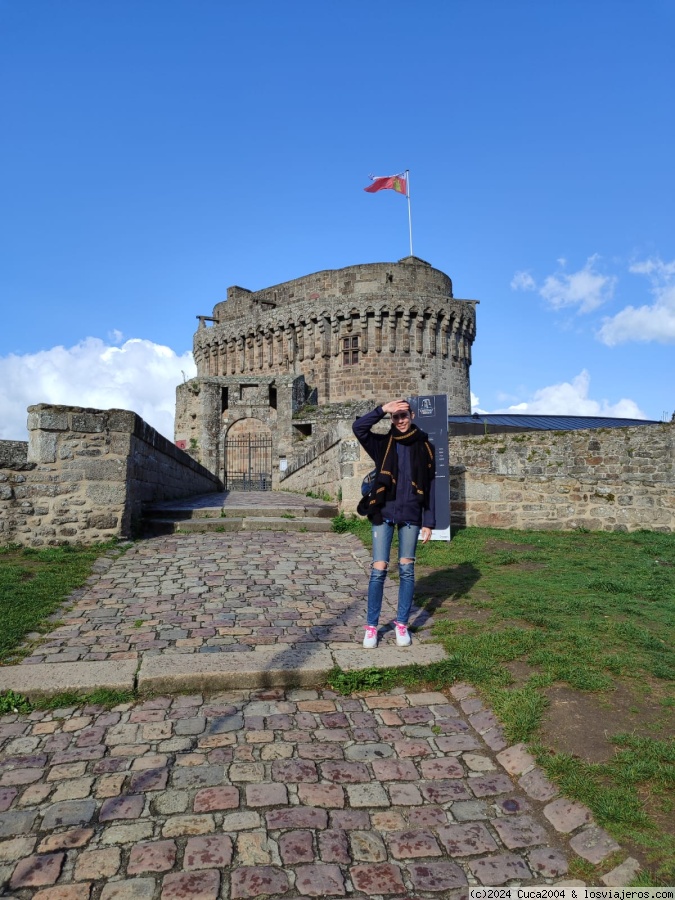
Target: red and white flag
x,y
396,183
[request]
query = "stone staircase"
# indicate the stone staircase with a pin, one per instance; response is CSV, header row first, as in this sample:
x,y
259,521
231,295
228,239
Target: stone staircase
x,y
239,511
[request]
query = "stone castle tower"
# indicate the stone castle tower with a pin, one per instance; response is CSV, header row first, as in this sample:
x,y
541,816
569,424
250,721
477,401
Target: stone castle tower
x,y
282,361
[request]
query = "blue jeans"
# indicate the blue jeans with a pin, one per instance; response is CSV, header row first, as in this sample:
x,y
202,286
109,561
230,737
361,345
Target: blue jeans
x,y
407,544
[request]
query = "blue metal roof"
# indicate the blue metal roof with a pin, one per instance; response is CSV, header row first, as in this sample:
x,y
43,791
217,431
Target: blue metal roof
x,y
480,423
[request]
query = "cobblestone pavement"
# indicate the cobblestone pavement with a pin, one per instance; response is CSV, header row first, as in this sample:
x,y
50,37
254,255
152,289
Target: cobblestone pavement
x,y
272,794
213,593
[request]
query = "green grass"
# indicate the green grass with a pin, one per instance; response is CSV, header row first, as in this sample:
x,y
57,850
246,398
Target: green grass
x,y
34,583
586,610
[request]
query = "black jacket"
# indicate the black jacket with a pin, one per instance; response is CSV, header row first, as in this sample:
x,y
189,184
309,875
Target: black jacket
x,y
407,506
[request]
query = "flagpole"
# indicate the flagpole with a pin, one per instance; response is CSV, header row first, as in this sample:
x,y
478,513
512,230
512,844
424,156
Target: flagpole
x,y
407,172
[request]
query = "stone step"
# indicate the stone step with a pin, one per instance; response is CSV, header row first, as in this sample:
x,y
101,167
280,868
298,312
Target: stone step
x,y
240,512
158,526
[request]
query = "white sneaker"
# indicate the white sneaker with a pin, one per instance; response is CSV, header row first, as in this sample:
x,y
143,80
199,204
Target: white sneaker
x,y
370,639
403,638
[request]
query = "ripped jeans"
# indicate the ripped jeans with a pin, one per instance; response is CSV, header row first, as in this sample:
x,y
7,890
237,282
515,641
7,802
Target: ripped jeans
x,y
407,544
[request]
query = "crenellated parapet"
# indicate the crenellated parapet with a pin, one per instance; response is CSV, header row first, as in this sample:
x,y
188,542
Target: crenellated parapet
x,y
353,333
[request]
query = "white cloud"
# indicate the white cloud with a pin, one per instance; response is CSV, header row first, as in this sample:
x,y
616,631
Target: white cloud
x,y
587,289
571,399
475,404
649,322
523,281
138,375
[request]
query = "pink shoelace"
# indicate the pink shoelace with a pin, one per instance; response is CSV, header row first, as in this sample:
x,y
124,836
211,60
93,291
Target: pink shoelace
x,y
371,631
402,630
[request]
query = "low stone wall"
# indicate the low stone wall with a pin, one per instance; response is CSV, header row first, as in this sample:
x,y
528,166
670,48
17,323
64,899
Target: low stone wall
x,y
14,467
317,470
86,475
619,479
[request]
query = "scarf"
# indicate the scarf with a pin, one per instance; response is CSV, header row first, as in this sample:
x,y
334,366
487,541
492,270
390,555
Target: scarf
x,y
384,485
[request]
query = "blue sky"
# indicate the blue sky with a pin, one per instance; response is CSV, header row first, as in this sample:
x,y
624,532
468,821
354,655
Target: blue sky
x,y
154,152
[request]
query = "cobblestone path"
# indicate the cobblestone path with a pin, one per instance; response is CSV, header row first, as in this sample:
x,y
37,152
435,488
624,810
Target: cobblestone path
x,y
272,794
212,593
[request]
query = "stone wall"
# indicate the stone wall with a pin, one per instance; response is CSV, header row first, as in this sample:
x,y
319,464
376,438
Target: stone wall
x,y
618,479
14,469
316,471
87,473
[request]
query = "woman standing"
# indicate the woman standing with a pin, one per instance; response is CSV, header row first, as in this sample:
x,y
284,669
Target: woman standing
x,y
402,497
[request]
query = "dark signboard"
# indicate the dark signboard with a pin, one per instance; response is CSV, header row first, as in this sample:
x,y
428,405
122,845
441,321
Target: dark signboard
x,y
431,415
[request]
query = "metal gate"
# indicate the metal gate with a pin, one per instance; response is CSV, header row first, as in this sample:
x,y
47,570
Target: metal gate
x,y
248,464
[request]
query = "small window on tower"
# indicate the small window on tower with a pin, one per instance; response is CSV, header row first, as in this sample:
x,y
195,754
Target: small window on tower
x,y
350,350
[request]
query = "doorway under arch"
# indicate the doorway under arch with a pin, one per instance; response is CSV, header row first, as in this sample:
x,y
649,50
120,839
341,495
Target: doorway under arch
x,y
247,456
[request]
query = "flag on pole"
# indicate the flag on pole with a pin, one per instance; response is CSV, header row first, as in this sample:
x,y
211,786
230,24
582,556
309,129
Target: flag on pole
x,y
396,183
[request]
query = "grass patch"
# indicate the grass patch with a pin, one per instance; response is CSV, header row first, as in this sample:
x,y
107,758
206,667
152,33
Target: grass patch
x,y
521,612
34,583
17,703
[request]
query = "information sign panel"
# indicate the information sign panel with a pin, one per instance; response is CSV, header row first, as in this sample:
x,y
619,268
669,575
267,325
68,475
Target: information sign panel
x,y
431,415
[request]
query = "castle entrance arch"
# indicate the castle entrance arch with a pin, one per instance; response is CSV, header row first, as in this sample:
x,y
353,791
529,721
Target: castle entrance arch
x,y
247,456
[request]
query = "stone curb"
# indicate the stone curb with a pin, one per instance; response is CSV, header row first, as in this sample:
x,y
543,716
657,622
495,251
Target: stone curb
x,y
48,679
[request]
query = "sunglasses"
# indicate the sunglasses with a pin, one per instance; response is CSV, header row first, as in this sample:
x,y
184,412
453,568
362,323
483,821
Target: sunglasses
x,y
400,417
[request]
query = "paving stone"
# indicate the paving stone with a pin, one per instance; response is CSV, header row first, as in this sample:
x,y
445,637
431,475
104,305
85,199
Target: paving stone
x,y
499,869
7,796
267,794
453,742
349,819
511,806
334,846
95,865
466,840
537,785
154,856
176,826
127,834
469,810
428,698
623,874
14,849
428,816
478,763
253,848
549,862
208,852
395,770
345,772
519,831
64,892
516,759
441,768
593,844
257,881
193,885
436,876
243,771
413,844
388,820
16,822
367,795
129,889
214,798
367,846
444,791
294,771
35,871
330,796
240,821
65,840
171,802
567,815
296,847
319,881
404,794
149,780
296,817
126,807
490,785
377,878
189,778
69,812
